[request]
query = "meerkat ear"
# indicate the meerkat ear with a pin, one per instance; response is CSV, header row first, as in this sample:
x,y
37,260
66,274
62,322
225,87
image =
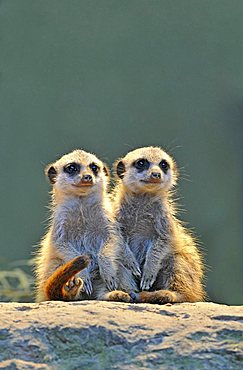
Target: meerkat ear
x,y
106,170
51,173
120,169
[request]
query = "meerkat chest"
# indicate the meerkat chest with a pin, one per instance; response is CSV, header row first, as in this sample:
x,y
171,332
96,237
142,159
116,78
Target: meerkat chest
x,y
82,226
142,219
142,222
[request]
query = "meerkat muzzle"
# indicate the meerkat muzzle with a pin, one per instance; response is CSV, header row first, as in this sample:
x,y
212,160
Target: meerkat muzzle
x,y
86,180
152,180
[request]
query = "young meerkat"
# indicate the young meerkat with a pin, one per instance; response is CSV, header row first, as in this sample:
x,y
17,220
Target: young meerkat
x,y
81,228
166,253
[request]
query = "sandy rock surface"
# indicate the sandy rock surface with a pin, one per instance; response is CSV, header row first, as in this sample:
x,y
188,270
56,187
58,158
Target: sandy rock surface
x,y
103,335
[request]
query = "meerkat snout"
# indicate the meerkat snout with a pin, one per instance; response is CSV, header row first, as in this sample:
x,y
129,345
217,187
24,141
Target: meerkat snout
x,y
155,175
83,180
87,179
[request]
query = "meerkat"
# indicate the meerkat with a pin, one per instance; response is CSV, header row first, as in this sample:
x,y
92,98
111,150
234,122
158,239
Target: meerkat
x,y
165,251
72,255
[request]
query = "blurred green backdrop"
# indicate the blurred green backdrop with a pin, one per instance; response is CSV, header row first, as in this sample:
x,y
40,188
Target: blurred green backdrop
x,y
109,76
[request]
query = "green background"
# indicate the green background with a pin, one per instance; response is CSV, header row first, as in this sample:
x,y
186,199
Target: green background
x,y
109,76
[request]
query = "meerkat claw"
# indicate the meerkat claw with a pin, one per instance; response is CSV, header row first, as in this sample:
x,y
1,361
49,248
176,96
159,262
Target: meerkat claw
x,y
87,286
136,271
111,284
147,281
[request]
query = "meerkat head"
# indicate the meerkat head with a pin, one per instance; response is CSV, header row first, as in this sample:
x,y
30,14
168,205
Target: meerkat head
x,y
78,174
148,169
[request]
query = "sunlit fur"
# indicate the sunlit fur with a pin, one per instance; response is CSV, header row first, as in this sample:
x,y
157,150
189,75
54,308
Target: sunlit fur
x,y
63,187
153,238
80,224
132,179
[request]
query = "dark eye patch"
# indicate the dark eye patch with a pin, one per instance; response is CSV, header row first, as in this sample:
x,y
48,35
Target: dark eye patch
x,y
164,165
94,168
141,164
72,168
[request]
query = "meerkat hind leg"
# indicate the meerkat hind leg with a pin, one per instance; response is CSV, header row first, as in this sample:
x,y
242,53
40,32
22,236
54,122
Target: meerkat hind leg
x,y
158,296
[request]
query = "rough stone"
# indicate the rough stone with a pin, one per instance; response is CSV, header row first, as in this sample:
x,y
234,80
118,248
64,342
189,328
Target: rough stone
x,y
96,335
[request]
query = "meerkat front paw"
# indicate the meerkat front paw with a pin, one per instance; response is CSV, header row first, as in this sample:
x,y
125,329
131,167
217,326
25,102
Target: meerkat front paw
x,y
87,285
136,269
147,280
111,282
109,277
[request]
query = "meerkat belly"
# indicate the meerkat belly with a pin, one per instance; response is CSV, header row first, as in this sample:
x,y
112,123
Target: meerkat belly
x,y
143,225
139,236
83,229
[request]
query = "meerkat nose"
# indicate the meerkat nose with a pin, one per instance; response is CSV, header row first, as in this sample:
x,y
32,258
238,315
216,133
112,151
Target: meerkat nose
x,y
87,178
156,175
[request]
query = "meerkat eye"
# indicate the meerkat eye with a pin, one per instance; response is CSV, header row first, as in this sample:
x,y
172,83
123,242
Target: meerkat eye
x,y
164,165
72,168
141,164
94,168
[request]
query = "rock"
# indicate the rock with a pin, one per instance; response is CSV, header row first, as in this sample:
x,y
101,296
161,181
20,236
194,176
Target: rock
x,y
105,335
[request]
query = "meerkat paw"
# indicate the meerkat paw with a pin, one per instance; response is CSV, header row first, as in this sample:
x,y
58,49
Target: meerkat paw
x,y
119,296
73,287
147,281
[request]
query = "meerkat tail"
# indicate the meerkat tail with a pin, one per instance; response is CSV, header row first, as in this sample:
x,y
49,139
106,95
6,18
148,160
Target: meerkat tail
x,y
158,296
55,285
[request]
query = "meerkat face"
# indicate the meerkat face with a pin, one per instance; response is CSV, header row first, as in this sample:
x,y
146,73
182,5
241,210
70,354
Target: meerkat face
x,y
148,169
78,173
